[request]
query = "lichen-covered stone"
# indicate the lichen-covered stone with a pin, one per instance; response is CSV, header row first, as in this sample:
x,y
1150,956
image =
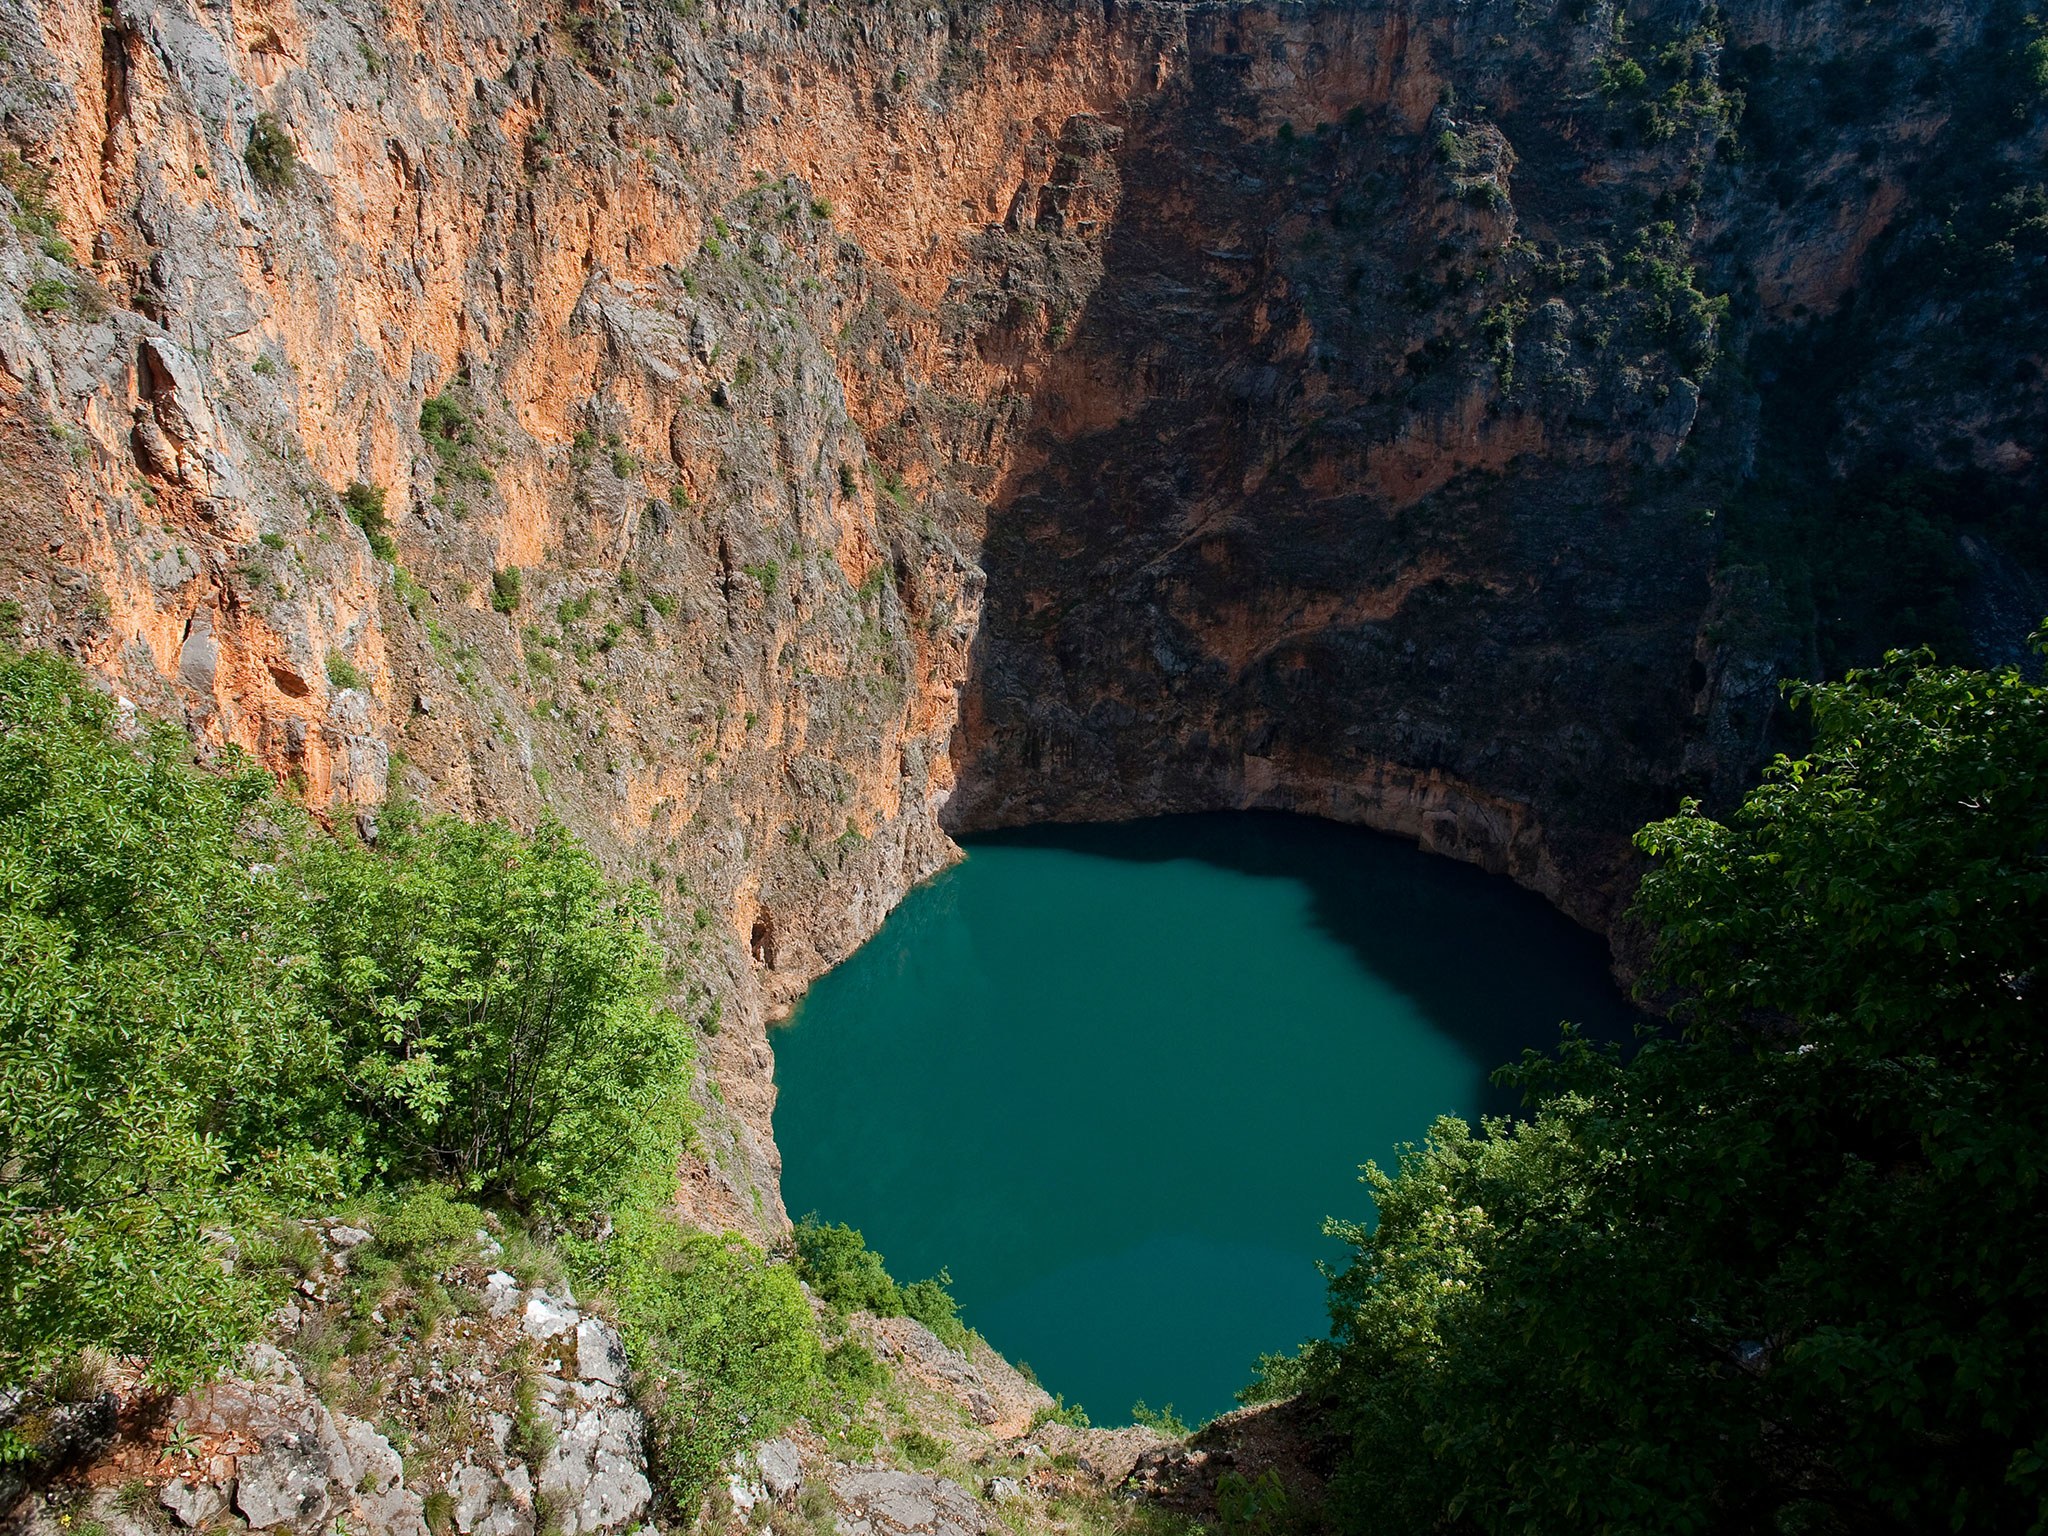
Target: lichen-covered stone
x,y
600,1353
597,1468
887,1503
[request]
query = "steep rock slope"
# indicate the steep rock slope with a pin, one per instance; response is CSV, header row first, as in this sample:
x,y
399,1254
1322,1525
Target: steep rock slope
x,y
1453,431
665,416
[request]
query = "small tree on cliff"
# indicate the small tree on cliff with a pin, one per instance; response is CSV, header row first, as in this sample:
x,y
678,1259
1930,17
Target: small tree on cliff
x,y
272,157
494,1001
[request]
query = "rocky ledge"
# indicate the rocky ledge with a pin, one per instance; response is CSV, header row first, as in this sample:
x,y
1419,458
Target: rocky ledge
x,y
506,1408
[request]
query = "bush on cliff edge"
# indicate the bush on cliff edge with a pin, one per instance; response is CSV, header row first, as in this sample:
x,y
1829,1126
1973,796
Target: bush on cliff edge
x,y
211,1013
1782,1275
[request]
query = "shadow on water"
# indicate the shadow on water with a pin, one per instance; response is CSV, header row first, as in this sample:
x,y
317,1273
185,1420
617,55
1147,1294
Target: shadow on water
x,y
1449,936
1114,1077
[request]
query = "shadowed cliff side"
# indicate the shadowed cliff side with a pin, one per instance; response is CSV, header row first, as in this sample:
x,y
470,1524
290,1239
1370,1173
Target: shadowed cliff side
x,y
1414,439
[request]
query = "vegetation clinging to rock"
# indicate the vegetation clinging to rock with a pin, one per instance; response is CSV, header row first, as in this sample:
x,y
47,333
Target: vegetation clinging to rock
x,y
189,970
365,507
1785,1271
272,157
836,1262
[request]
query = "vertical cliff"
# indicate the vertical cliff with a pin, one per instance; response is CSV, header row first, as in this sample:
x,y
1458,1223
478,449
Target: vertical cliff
x,y
760,434
1478,409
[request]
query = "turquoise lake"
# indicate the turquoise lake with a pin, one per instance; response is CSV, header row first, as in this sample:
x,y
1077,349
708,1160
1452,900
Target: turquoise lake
x,y
1114,1077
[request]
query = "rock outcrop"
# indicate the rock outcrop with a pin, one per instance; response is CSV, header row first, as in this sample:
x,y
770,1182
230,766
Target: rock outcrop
x,y
264,1446
503,1408
888,1503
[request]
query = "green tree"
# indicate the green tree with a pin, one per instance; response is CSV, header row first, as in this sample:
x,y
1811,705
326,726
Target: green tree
x,y
158,1074
494,998
1782,1274
212,1014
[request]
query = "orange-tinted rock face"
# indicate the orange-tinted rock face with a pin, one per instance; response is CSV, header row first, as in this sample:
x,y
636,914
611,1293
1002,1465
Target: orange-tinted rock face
x,y
796,426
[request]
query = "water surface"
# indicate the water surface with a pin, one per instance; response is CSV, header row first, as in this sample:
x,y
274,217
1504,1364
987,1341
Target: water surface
x,y
1114,1078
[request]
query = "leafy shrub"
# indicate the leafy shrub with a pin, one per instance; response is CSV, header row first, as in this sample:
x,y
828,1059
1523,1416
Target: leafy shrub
x,y
1251,1506
505,587
852,1366
365,507
1621,77
154,1060
922,1450
724,1347
836,1262
427,1223
270,154
1731,1265
449,426
213,1015
933,1305
493,999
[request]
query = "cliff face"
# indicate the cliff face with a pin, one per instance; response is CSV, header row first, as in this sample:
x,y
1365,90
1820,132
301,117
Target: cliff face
x,y
1431,352
798,425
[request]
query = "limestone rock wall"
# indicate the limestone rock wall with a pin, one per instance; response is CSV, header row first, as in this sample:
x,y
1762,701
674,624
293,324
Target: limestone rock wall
x,y
803,429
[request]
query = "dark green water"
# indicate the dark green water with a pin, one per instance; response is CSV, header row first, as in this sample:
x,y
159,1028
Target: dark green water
x,y
1114,1078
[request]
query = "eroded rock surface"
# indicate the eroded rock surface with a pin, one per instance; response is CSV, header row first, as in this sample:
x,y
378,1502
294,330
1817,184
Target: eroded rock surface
x,y
887,1503
769,437
282,1460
